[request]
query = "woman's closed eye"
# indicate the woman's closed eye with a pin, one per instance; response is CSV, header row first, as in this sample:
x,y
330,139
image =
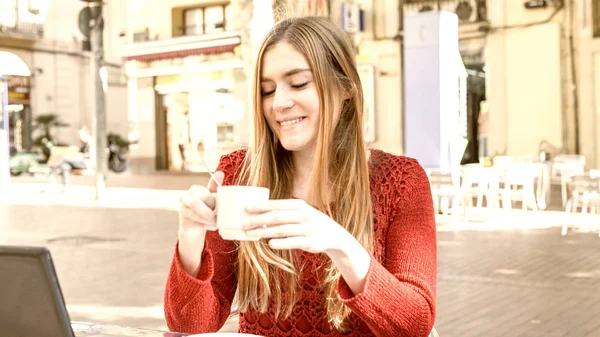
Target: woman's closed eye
x,y
299,86
265,93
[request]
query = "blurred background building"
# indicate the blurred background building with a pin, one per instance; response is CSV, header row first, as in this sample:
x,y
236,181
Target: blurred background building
x,y
178,72
186,84
45,36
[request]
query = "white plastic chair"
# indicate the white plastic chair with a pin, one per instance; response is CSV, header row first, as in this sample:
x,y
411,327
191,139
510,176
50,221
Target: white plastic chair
x,y
562,166
445,190
584,191
519,185
474,184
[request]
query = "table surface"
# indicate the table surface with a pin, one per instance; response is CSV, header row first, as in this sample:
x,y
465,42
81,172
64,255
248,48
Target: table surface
x,y
88,329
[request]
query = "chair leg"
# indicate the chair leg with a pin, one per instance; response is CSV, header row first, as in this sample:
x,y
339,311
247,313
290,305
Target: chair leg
x,y
597,215
563,188
568,210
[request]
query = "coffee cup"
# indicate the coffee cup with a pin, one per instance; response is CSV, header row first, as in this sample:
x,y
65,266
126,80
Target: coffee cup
x,y
231,209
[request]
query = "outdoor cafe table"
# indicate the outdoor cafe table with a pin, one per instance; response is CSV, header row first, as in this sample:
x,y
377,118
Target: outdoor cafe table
x,y
87,329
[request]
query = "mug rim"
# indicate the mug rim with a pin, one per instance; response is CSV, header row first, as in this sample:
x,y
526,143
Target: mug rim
x,y
226,187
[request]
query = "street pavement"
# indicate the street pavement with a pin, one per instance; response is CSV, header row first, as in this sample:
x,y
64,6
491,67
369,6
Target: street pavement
x,y
511,274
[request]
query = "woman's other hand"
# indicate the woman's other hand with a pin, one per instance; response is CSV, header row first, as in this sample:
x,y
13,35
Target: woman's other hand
x,y
293,224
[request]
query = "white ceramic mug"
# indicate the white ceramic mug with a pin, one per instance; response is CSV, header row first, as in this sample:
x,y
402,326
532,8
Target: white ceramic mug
x,y
231,213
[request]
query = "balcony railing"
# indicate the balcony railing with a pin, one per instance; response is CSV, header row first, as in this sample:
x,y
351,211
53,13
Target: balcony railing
x,y
468,11
26,29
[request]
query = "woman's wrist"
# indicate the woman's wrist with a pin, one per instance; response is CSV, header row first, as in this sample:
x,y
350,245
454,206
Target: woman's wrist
x,y
192,232
190,246
353,261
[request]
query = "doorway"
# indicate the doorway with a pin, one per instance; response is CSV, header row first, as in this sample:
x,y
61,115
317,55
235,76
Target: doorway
x,y
19,126
172,131
475,96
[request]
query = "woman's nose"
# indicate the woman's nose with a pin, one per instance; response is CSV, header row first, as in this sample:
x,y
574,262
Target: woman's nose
x,y
282,100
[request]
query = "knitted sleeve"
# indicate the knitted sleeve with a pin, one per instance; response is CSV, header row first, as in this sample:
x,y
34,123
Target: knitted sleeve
x,y
399,295
202,304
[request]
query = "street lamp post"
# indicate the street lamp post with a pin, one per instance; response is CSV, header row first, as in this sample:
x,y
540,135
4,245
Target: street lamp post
x,y
91,25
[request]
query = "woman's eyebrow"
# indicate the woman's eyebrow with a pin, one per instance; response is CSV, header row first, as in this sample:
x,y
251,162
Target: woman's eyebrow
x,y
288,73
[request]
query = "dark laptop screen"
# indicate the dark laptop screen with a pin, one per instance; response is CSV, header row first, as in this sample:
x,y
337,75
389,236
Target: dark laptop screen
x,y
31,302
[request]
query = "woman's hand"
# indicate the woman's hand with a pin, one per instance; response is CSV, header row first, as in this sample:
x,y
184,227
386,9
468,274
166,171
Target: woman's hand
x,y
196,216
197,210
293,224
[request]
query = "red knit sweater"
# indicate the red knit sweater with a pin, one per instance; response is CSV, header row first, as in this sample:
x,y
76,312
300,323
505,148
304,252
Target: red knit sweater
x,y
399,294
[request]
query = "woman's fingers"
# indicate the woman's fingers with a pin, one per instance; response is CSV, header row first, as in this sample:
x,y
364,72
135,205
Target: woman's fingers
x,y
189,225
274,218
212,184
296,242
197,208
203,194
189,218
281,231
276,205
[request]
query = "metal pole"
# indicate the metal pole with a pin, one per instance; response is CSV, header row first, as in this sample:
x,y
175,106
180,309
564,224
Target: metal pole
x,y
402,96
97,63
4,142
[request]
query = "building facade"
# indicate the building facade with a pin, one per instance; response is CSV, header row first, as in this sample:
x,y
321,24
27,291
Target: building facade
x,y
533,70
533,75
542,75
186,83
188,86
44,34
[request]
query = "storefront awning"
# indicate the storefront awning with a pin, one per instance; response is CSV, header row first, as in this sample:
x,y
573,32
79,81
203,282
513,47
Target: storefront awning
x,y
182,47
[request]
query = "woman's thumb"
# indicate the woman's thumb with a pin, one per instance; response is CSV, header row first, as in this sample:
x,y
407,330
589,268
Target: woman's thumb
x,y
212,184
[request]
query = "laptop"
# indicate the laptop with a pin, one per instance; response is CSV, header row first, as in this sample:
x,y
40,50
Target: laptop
x,y
31,302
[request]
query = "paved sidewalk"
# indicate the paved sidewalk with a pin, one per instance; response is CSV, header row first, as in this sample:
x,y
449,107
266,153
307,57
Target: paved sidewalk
x,y
518,283
156,180
512,277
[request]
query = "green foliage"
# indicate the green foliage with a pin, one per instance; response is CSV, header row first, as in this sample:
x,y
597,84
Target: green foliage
x,y
120,142
43,126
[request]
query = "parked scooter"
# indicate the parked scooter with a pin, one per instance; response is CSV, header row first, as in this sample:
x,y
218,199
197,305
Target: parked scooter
x,y
21,162
117,162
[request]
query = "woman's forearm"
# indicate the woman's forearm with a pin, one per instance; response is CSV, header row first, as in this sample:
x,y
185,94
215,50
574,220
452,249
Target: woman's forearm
x,y
190,247
353,261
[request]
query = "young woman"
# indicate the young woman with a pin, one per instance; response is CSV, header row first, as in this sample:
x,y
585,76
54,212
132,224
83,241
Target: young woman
x,y
348,240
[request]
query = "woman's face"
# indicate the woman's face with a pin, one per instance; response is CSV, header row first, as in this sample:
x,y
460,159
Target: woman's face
x,y
290,98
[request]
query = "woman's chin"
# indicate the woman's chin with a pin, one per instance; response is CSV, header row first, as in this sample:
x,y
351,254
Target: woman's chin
x,y
293,145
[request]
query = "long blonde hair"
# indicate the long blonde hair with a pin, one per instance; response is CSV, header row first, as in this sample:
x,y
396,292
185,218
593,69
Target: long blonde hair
x,y
340,185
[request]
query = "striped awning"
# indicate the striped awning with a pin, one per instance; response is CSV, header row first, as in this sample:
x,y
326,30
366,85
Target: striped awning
x,y
180,47
182,53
